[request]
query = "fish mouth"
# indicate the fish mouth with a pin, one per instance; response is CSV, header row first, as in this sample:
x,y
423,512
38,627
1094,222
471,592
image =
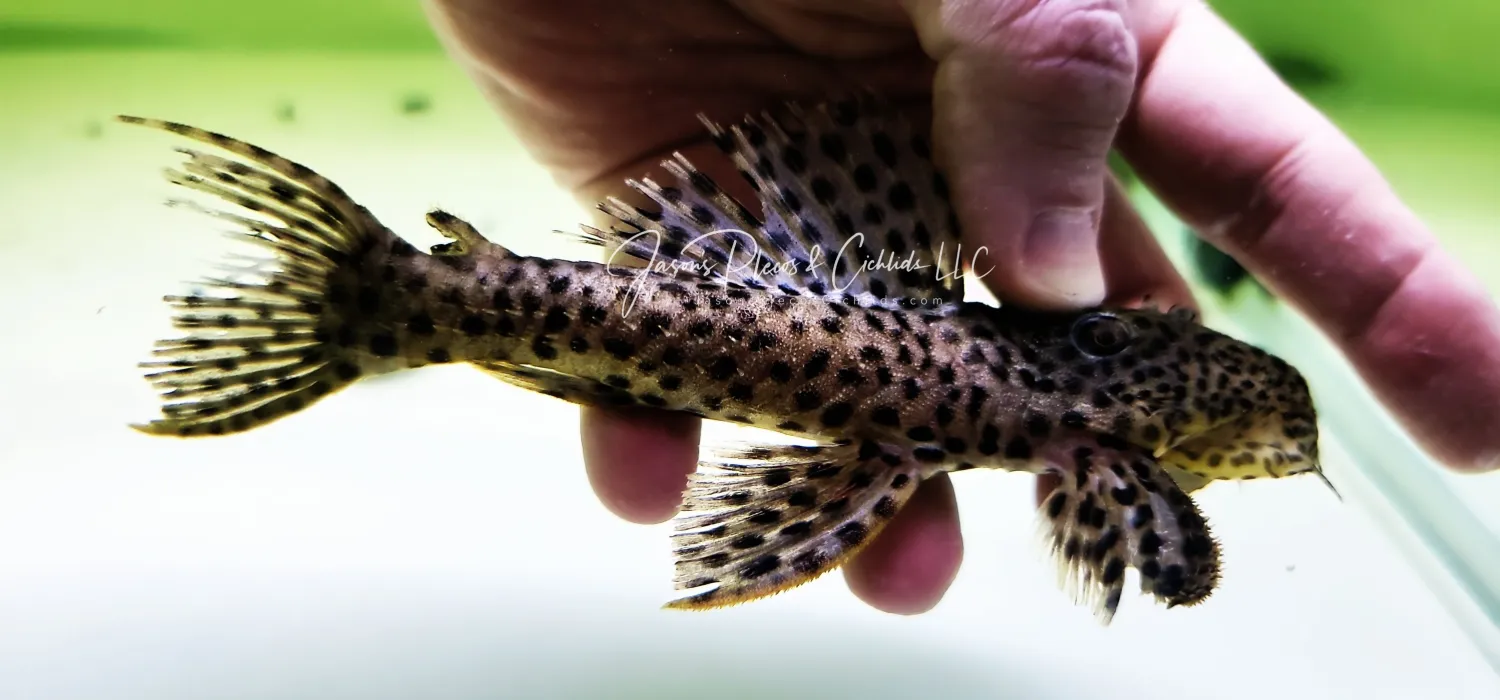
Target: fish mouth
x,y
1238,448
1180,466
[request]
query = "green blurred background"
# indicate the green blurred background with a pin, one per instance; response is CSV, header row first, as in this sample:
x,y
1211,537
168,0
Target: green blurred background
x,y
1380,51
1384,51
1381,68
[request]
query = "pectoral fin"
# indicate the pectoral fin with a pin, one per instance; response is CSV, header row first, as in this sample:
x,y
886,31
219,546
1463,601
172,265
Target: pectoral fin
x,y
1117,507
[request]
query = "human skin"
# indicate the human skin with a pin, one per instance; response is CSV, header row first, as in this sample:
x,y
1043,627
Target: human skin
x,y
1025,99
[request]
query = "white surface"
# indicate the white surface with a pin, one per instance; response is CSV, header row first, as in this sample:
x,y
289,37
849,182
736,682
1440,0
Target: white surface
x,y
432,535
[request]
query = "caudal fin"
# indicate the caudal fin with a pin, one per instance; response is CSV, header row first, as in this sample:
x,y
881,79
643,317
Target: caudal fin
x,y
263,337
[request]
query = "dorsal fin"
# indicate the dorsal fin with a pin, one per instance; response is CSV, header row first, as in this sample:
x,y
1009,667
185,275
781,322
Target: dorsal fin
x,y
851,202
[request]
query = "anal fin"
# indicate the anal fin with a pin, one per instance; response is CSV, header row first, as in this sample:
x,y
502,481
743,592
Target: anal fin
x,y
768,519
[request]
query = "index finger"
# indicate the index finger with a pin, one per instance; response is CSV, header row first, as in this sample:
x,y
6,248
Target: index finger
x,y
1268,179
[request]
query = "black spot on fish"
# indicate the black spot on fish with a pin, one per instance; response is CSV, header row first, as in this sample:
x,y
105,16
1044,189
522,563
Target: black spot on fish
x,y
837,414
620,348
722,368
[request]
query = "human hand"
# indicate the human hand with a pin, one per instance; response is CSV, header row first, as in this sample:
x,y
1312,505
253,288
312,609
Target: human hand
x,y
1026,98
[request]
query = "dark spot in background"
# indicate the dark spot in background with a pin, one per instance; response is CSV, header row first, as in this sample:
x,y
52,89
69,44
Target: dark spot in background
x,y
93,130
286,112
416,103
1214,268
1304,73
1121,169
44,36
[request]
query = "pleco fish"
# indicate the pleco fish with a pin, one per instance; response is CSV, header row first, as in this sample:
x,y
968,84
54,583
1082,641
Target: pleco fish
x,y
874,358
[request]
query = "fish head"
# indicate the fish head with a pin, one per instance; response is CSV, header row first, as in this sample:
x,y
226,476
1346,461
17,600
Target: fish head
x,y
1202,402
1245,413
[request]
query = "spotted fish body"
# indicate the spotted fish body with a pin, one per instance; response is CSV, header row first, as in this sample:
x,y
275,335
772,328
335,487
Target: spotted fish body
x,y
881,367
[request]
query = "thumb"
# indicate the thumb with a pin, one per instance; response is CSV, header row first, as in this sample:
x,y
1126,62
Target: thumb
x,y
1028,96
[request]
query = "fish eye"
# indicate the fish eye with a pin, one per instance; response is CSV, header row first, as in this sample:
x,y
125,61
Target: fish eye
x,y
1102,334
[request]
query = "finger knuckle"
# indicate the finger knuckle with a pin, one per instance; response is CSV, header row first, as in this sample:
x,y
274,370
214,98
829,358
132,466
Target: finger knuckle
x,y
1076,52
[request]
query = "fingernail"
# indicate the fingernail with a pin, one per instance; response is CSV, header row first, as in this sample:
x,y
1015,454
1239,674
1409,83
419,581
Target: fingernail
x,y
1060,260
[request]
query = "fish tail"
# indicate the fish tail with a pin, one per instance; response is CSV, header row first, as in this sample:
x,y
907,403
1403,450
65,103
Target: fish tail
x,y
268,335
